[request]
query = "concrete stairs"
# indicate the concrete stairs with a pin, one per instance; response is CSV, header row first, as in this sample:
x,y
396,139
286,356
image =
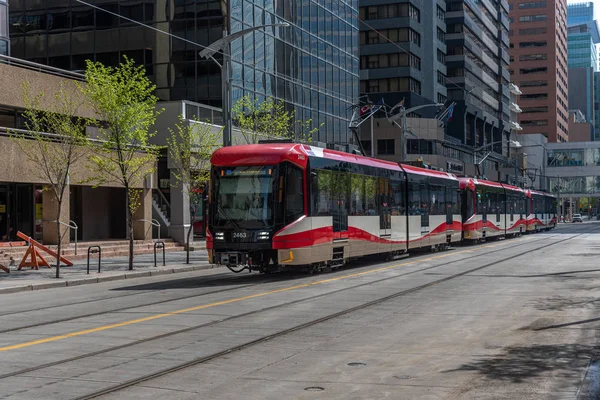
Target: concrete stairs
x,y
110,248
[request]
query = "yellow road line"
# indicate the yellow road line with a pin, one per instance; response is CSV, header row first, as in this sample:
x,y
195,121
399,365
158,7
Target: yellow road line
x,y
223,302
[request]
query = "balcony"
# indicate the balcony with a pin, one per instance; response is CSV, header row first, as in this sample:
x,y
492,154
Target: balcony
x,y
515,107
514,126
514,89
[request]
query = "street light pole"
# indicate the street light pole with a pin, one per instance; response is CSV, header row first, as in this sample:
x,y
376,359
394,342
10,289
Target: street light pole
x,y
224,46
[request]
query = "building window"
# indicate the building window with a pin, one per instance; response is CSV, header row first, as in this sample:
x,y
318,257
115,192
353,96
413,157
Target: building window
x,y
533,4
420,146
532,18
541,43
441,79
532,31
385,147
531,110
441,14
390,11
533,57
390,60
537,70
441,57
534,96
441,35
538,122
441,98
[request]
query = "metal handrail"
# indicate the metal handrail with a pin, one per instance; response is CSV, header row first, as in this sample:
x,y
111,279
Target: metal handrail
x,y
162,196
41,67
71,225
153,222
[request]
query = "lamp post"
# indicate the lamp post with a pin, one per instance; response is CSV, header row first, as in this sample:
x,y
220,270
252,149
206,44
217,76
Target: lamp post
x,y
402,115
224,45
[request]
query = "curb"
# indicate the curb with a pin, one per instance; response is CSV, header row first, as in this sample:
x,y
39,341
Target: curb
x,y
100,279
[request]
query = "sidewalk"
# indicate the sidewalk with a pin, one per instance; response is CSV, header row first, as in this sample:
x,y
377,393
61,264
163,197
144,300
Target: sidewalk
x,y
111,269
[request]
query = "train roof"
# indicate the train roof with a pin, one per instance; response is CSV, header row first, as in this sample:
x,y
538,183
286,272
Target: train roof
x,y
472,182
275,153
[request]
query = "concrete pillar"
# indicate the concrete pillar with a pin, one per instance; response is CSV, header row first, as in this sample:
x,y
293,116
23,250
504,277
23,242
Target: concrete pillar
x,y
142,230
180,212
50,214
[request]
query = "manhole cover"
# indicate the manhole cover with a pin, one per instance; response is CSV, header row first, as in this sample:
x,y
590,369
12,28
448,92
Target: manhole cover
x,y
356,364
314,389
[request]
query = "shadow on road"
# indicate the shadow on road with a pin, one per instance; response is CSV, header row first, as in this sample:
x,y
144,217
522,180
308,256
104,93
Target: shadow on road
x,y
520,363
245,278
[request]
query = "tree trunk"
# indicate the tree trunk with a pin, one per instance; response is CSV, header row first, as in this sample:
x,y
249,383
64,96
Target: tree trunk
x,y
130,230
59,246
192,219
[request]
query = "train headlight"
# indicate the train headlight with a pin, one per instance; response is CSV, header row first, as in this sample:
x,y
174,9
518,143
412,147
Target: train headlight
x,y
219,236
263,235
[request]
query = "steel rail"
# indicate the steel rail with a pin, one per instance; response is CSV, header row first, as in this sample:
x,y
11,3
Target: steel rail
x,y
265,338
273,278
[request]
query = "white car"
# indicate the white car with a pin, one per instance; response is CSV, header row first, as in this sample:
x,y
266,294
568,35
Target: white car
x,y
577,218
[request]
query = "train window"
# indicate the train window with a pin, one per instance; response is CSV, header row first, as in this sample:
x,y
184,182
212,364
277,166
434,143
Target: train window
x,y
321,195
357,195
294,194
397,197
383,203
414,199
425,204
370,191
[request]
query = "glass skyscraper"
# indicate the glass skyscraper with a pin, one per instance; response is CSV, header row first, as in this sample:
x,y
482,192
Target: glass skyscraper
x,y
4,42
580,13
311,65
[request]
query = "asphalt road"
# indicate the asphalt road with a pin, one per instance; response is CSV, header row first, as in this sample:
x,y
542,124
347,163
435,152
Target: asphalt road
x,y
513,319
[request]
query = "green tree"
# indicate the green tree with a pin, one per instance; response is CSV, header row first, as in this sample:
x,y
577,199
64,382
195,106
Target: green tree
x,y
268,119
124,101
190,145
55,141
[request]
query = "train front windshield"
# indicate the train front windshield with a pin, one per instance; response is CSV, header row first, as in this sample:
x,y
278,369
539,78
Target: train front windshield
x,y
243,197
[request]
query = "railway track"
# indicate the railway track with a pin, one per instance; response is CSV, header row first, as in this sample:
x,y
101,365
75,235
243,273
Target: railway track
x,y
299,327
296,328
262,279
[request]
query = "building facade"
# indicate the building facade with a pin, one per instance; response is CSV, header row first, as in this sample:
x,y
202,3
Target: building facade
x,y
581,92
580,13
580,130
99,212
477,60
4,35
402,52
306,65
539,66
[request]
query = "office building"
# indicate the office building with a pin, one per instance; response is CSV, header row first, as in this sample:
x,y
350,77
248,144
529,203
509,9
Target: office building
x,y
477,60
539,66
4,36
402,52
580,13
312,65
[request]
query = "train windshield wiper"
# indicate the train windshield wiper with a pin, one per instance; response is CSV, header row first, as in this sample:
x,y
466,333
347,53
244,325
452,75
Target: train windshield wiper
x,y
226,215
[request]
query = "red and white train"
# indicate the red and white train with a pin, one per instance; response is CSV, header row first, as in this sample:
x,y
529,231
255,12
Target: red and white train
x,y
291,205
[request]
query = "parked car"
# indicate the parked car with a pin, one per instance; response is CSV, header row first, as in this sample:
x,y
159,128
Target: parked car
x,y
577,218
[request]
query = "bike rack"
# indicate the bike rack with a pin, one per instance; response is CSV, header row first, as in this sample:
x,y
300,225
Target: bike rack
x,y
157,245
94,250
